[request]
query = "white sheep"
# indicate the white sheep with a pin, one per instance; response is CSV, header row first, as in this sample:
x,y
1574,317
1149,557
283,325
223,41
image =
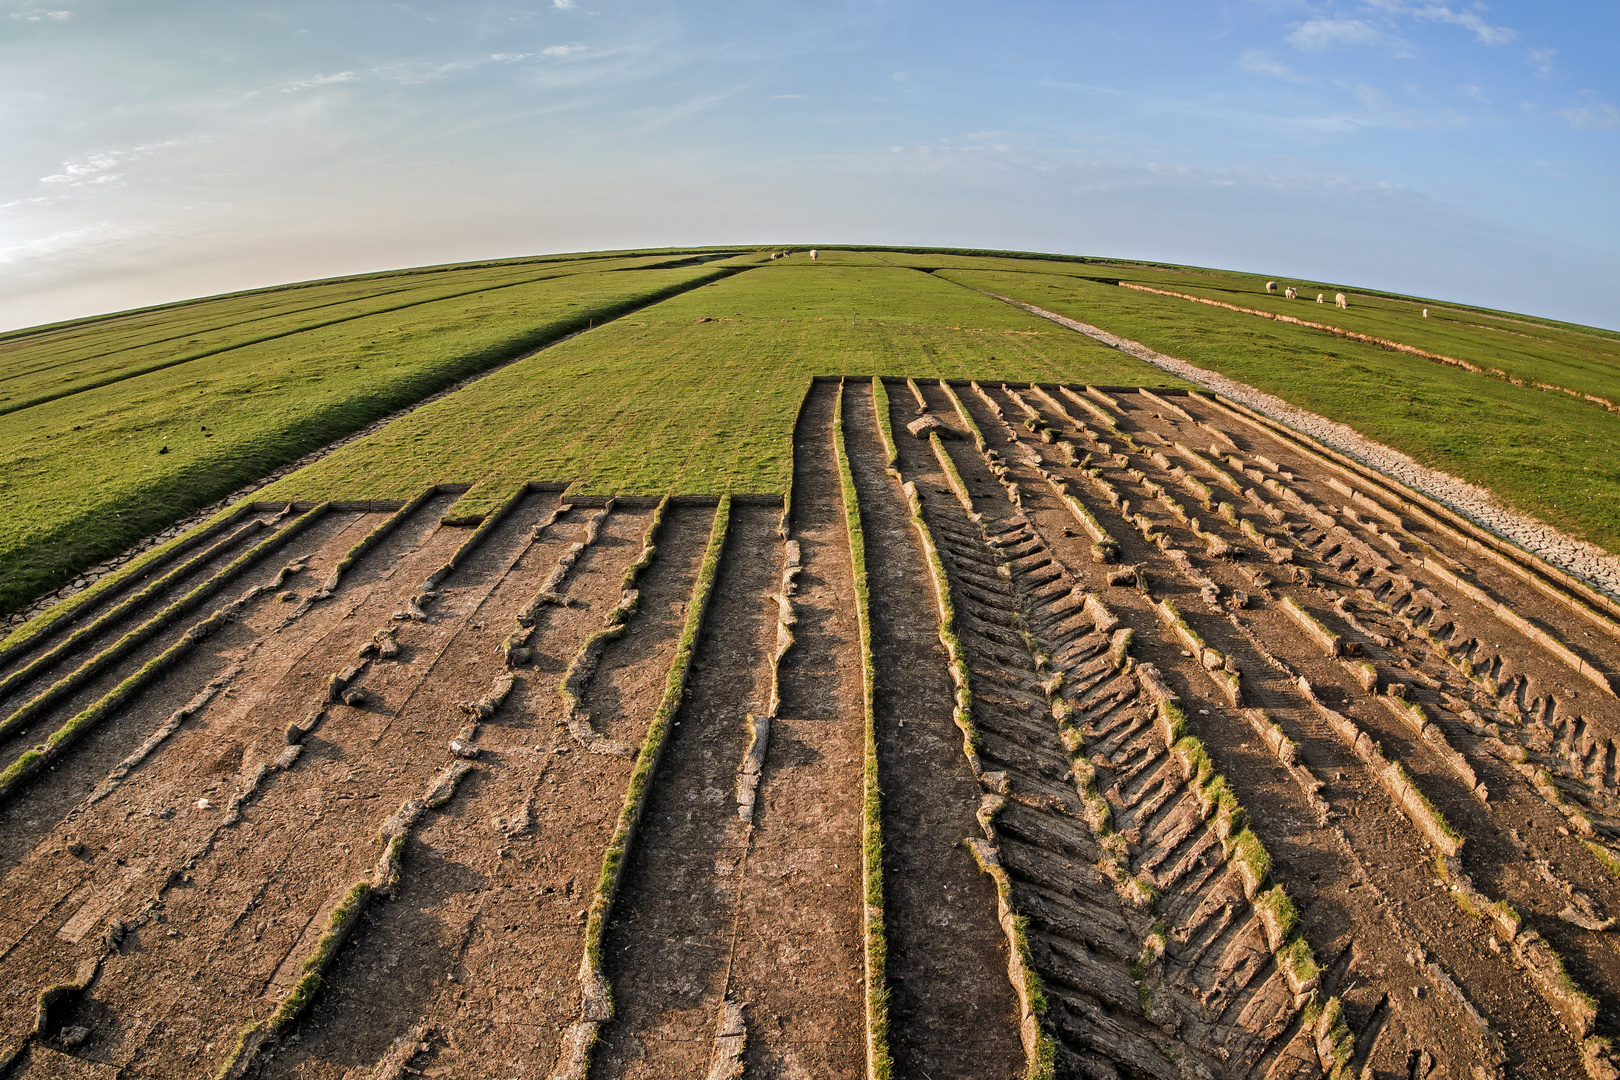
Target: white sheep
x,y
1425,313
1339,299
1271,286
812,254
1319,298
1290,292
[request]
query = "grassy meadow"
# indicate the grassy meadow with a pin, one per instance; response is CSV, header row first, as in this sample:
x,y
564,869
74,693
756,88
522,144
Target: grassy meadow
x,y
699,393
1544,453
85,474
692,375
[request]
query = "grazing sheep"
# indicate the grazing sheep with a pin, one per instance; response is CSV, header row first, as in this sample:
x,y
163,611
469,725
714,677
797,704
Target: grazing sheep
x,y
1271,286
812,254
1339,298
1425,313
1319,298
1290,292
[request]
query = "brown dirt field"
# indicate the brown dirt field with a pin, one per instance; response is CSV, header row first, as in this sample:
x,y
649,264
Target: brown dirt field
x,y
797,960
952,1011
668,947
181,861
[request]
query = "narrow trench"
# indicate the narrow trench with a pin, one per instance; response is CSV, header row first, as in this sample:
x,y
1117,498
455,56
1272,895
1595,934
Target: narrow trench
x,y
952,1011
667,948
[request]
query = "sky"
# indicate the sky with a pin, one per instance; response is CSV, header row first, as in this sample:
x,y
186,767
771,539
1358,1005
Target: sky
x,y
174,148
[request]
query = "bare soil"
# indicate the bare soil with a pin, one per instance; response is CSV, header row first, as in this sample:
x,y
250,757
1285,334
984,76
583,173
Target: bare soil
x,y
174,870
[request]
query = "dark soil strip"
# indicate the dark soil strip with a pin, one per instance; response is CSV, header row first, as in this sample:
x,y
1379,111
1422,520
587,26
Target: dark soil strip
x,y
667,947
952,1012
798,954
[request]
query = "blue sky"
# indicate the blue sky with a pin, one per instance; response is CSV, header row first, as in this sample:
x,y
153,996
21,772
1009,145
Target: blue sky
x,y
177,148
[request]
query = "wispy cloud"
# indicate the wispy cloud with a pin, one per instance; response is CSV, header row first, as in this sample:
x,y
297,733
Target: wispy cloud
x,y
38,15
97,169
562,5
1484,32
557,51
317,80
1257,62
1318,35
1541,61
1594,115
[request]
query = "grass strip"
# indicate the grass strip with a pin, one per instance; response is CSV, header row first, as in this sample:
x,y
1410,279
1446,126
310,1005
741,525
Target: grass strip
x,y
41,755
156,624
46,621
597,1005
797,431
371,540
879,1064
880,403
966,417
51,657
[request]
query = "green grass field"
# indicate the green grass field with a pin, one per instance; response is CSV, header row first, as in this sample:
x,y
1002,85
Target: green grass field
x,y
1544,453
697,392
662,401
84,475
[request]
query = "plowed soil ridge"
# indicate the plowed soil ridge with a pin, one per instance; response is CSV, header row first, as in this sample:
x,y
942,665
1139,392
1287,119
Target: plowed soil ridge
x,y
1508,985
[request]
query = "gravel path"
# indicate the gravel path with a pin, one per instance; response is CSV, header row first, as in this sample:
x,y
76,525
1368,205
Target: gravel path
x,y
1587,561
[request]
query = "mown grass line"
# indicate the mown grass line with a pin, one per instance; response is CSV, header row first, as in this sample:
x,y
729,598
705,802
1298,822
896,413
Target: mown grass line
x,y
611,410
53,656
879,1062
83,477
73,361
598,994
157,623
33,760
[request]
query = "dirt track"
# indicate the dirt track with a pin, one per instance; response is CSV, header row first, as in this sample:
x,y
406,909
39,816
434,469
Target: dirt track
x,y
1277,773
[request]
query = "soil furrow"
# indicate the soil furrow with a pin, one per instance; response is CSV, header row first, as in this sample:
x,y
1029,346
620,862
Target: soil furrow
x,y
668,945
228,931
40,803
1269,687
797,959
952,1012
469,967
